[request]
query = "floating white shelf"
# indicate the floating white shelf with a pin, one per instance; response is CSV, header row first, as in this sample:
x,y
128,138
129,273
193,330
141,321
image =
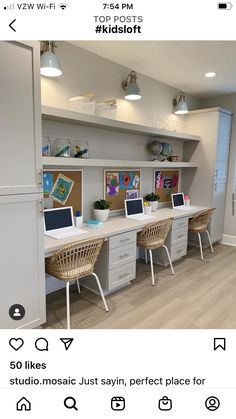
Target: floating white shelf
x,y
63,162
67,116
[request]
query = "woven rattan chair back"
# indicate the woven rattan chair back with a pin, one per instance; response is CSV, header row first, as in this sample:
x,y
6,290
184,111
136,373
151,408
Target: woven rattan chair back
x,y
200,222
154,234
75,260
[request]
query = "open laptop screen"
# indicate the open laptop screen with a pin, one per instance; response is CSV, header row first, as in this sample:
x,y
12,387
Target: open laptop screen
x,y
134,206
58,218
177,199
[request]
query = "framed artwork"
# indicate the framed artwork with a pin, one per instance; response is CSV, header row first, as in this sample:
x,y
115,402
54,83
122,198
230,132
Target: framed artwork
x,y
166,182
120,185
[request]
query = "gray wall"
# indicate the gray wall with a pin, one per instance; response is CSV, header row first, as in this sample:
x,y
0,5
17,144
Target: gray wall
x,y
84,72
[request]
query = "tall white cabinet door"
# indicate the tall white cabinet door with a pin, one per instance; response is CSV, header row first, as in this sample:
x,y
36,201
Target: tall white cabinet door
x,y
21,260
222,150
218,202
20,118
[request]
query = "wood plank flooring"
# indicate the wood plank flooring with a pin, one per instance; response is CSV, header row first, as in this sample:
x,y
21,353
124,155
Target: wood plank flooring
x,y
201,295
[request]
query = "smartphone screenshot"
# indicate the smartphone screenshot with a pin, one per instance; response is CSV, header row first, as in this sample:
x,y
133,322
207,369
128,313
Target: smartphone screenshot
x,y
117,209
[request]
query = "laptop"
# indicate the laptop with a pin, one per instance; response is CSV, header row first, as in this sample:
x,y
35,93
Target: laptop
x,y
59,223
134,209
178,202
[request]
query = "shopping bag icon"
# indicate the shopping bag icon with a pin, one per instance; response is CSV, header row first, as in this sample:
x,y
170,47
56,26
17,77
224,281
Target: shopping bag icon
x,y
165,403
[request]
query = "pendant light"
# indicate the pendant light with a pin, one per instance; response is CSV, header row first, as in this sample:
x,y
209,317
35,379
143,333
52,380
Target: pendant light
x,y
180,104
131,87
50,66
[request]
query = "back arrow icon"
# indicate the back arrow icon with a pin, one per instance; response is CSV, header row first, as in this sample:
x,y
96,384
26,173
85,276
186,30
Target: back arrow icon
x,y
10,25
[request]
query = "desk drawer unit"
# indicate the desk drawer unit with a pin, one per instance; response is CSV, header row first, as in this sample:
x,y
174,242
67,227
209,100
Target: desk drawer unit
x,y
116,263
176,242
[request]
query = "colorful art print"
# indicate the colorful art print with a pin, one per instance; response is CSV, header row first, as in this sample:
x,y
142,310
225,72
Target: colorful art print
x,y
136,181
47,183
166,181
62,189
128,180
112,183
133,194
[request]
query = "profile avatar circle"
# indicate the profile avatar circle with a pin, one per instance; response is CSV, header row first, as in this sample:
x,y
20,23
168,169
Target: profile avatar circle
x,y
212,403
17,312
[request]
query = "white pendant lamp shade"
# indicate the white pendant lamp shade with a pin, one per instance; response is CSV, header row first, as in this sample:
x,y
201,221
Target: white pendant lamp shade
x,y
50,66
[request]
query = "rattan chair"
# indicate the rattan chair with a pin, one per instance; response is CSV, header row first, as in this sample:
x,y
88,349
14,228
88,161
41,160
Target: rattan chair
x,y
199,224
73,262
153,237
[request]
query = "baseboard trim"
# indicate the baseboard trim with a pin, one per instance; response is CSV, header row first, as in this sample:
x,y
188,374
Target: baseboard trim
x,y
229,240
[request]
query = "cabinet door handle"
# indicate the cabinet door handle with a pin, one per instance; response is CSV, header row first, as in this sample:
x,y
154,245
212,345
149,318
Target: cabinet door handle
x,y
40,177
40,206
216,173
215,188
233,200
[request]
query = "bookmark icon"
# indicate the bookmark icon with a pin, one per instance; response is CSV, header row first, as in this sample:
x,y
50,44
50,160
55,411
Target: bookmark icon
x,y
67,342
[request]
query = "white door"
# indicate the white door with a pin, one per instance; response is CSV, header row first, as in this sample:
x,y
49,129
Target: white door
x,y
20,118
22,259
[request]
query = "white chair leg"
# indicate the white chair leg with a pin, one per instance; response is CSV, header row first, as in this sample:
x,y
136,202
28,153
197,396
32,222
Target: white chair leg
x,y
146,259
78,286
168,255
152,270
209,238
68,304
200,244
100,290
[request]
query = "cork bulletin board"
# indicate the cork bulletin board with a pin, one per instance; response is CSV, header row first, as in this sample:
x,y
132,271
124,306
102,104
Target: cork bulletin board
x,y
120,185
63,188
166,182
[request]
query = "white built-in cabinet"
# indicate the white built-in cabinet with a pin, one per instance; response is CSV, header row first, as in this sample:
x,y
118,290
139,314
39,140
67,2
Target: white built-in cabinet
x,y
208,185
21,218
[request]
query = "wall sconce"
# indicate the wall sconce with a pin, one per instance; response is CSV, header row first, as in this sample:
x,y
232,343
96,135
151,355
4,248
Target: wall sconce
x,y
180,104
131,87
50,66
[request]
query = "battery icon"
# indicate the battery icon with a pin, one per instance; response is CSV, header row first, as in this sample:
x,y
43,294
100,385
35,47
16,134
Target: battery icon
x,y
225,6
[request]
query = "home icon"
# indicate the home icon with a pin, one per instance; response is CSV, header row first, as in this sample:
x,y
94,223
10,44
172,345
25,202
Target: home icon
x,y
23,404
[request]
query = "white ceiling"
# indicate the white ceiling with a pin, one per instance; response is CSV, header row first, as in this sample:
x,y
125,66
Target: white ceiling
x,y
180,64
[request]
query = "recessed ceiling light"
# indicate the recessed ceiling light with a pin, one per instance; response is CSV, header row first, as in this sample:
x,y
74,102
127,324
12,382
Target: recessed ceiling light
x,y
210,74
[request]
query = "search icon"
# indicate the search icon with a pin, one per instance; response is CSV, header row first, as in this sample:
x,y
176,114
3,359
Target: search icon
x,y
70,403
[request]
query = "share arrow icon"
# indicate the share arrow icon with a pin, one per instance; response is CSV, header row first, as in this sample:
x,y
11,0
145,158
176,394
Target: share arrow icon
x,y
67,342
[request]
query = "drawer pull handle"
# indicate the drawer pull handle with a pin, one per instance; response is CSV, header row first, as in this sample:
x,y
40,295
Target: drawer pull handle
x,y
179,251
124,256
124,240
180,235
123,276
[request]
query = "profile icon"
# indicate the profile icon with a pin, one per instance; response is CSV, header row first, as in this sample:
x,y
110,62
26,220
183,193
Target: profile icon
x,y
17,312
212,403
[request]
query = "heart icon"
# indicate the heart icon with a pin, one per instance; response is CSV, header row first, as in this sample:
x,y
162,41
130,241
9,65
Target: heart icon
x,y
16,343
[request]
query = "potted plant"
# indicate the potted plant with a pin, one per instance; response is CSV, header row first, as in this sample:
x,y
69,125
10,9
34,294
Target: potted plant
x,y
101,209
153,199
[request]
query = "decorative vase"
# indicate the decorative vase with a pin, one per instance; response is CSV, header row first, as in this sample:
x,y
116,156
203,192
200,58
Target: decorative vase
x,y
147,210
154,205
101,215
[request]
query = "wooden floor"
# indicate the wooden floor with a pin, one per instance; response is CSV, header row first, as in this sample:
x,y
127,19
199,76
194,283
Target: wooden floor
x,y
200,295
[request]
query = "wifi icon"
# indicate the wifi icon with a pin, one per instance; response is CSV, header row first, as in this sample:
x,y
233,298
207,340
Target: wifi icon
x,y
63,6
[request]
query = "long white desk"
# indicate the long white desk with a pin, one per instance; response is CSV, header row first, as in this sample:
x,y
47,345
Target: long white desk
x,y
116,264
117,225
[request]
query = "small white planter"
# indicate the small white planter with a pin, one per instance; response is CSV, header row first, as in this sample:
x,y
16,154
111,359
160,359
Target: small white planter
x,y
147,210
154,205
101,215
